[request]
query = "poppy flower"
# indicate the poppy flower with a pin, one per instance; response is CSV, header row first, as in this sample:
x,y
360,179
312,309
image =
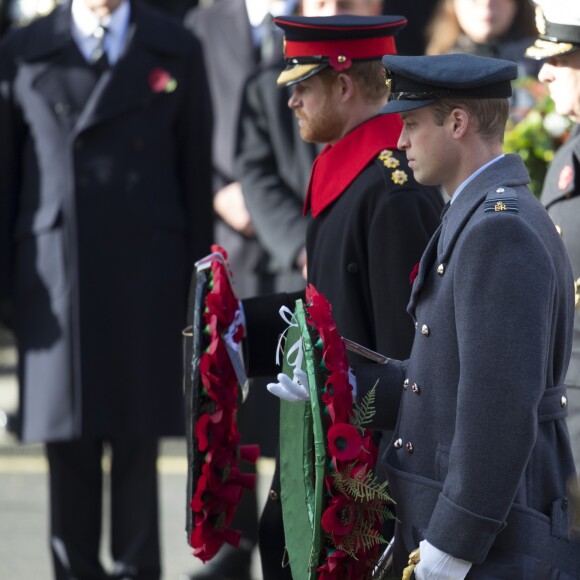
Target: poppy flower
x,y
340,60
338,401
207,541
161,81
344,441
335,563
320,310
414,273
338,518
334,357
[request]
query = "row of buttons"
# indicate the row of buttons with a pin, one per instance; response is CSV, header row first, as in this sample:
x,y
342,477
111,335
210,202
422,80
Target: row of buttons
x,y
408,446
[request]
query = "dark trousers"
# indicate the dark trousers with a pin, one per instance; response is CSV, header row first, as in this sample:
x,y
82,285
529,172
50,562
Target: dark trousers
x,y
76,495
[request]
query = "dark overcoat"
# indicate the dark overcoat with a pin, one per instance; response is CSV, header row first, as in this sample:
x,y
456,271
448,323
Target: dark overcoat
x,y
231,57
273,165
361,251
105,200
480,455
561,196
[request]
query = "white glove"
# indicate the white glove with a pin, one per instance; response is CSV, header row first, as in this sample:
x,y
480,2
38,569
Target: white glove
x,y
438,565
293,390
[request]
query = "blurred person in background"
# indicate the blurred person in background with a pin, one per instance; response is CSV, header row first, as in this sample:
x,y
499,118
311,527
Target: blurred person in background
x,y
494,28
105,203
413,39
558,49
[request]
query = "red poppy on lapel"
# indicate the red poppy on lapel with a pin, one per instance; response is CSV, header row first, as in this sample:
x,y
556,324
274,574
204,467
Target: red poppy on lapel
x,y
161,81
414,273
565,177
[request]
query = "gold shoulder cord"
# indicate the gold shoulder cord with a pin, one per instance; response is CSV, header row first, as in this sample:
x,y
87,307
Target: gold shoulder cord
x,y
414,558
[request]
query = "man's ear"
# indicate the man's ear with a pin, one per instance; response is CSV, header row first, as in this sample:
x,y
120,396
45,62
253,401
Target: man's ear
x,y
459,122
346,86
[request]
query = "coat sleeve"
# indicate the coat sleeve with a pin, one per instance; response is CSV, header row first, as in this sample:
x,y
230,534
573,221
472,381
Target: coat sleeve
x,y
275,208
194,153
501,292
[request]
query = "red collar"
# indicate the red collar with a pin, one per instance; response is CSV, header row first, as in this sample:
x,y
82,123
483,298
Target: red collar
x,y
337,166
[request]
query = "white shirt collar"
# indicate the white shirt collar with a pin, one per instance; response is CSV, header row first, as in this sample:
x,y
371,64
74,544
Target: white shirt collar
x,y
473,176
84,22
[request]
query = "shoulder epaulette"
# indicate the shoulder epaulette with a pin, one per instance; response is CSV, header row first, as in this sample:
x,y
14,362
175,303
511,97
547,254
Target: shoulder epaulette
x,y
501,199
398,176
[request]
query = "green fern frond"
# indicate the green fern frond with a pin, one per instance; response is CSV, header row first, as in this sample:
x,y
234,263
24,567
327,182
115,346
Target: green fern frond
x,y
363,537
363,487
365,411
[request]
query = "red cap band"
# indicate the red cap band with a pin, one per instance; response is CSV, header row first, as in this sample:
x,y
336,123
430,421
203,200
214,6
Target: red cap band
x,y
357,48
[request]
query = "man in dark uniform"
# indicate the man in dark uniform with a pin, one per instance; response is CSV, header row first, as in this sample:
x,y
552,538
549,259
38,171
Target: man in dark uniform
x,y
371,219
558,45
105,203
480,455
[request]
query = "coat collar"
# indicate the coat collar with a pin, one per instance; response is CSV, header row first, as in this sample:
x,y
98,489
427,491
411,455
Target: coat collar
x,y
509,171
53,33
125,85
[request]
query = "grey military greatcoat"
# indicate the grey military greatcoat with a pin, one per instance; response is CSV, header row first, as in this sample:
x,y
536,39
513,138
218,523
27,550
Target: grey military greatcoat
x,y
561,196
480,454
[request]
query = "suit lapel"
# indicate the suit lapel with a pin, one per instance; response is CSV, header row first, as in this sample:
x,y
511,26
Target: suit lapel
x,y
121,87
128,83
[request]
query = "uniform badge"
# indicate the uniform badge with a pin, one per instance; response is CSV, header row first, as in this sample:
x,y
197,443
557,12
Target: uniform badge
x,y
540,20
509,204
565,177
399,177
386,156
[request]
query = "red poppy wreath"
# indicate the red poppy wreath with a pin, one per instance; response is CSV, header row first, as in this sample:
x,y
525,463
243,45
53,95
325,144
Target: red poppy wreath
x,y
353,504
215,483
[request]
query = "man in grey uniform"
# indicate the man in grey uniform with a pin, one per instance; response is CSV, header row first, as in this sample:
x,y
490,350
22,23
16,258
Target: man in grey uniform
x,y
480,455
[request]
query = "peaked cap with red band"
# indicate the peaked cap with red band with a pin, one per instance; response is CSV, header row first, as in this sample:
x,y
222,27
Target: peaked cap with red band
x,y
313,44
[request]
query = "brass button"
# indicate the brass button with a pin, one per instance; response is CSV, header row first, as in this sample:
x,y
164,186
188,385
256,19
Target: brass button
x,y
425,330
409,447
500,190
398,444
563,401
405,384
416,389
441,269
274,496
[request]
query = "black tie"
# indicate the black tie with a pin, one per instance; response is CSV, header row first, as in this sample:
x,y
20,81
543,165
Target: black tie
x,y
98,57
